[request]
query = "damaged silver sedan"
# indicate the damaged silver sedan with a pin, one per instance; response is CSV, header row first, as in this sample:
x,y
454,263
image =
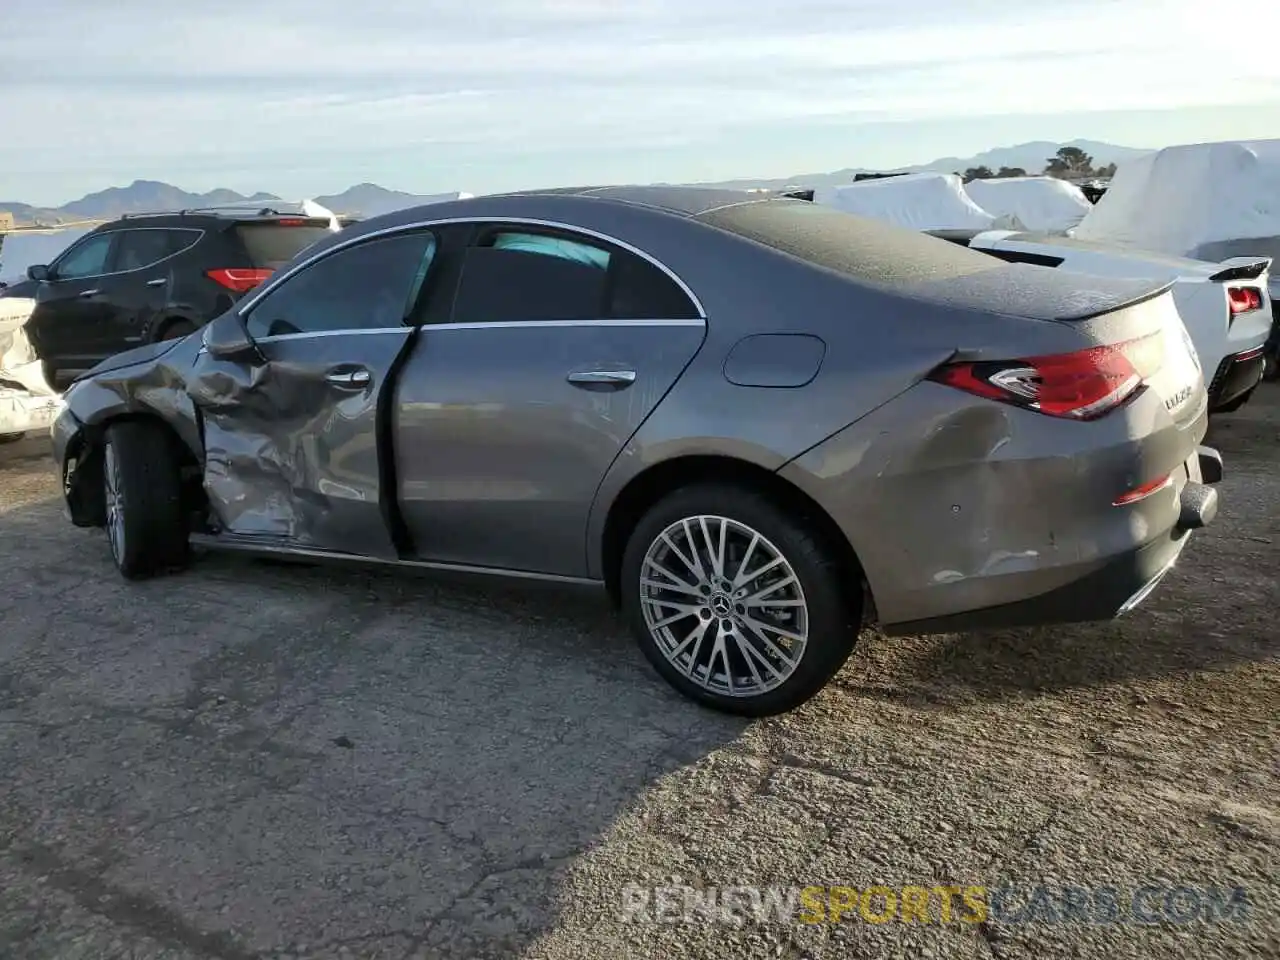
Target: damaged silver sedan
x,y
758,423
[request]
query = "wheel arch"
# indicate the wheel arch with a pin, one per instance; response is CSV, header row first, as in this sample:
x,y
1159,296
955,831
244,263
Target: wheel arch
x,y
657,481
168,319
84,491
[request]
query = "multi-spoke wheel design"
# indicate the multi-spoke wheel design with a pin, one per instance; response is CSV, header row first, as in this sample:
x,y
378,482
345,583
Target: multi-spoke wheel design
x,y
114,502
740,603
724,605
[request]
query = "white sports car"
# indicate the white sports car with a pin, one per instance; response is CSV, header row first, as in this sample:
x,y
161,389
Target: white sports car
x,y
1225,306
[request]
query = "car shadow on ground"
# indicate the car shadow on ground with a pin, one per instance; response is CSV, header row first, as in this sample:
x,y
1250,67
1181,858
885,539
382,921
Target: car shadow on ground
x,y
247,759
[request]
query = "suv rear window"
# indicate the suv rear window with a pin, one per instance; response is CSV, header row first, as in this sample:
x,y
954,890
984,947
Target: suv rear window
x,y
271,245
858,247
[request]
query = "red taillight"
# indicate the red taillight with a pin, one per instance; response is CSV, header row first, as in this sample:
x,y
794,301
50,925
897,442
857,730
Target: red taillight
x,y
1082,385
1144,491
291,223
1243,300
240,281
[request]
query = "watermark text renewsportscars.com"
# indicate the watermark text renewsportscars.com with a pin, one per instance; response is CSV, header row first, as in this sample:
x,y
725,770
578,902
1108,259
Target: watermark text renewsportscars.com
x,y
938,904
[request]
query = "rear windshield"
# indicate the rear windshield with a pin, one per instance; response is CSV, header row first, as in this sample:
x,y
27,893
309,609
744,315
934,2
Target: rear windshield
x,y
271,245
865,249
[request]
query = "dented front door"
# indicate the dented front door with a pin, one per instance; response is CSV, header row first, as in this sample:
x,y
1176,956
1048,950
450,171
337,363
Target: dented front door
x,y
293,450
295,457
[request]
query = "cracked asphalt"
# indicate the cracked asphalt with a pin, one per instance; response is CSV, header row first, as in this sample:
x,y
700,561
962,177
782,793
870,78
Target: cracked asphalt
x,y
254,762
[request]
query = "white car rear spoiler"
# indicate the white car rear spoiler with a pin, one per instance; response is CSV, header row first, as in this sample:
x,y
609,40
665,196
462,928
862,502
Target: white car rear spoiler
x,y
1241,268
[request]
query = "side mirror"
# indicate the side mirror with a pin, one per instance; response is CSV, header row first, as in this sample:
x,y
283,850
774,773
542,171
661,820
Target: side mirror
x,y
39,271
226,338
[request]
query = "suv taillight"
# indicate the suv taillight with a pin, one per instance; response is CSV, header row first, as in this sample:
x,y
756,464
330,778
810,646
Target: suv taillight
x,y
1082,385
241,281
1243,300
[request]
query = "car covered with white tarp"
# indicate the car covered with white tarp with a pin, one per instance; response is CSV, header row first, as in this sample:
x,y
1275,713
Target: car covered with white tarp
x,y
1042,204
917,201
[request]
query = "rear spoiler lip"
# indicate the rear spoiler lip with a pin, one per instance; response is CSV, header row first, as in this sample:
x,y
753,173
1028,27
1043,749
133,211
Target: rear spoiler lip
x,y
1241,268
1154,293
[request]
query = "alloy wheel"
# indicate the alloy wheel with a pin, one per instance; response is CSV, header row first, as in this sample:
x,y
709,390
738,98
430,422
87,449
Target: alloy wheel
x,y
724,606
114,501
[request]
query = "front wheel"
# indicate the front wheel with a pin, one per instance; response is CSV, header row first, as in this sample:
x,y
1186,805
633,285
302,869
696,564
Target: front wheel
x,y
146,527
740,605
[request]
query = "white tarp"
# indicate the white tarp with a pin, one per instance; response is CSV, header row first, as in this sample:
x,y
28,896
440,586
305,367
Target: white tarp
x,y
1042,204
25,248
1193,200
312,209
26,402
17,360
918,201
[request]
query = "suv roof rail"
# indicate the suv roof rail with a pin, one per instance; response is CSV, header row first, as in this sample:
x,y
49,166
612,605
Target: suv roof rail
x,y
266,208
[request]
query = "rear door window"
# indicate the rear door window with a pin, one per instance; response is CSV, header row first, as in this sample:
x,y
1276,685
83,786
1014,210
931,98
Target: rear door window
x,y
141,248
530,277
639,290
514,277
271,245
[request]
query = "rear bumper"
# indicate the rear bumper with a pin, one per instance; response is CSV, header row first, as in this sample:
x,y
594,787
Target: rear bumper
x,y
1236,375
1108,591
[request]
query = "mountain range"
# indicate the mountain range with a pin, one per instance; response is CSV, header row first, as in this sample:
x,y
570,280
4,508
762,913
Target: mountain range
x,y
369,199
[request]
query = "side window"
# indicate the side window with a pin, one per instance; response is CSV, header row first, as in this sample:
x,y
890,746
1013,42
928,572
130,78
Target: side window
x,y
141,248
180,241
525,277
642,291
369,286
87,259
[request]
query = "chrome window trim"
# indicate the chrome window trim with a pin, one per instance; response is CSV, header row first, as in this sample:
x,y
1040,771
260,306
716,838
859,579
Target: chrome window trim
x,y
251,301
500,325
111,235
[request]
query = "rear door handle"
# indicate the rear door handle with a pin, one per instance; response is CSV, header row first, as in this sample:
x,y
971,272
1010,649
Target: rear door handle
x,y
349,379
602,379
158,282
89,293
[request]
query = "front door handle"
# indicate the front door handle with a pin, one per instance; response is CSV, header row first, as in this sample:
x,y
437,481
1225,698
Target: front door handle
x,y
158,282
89,293
349,379
602,379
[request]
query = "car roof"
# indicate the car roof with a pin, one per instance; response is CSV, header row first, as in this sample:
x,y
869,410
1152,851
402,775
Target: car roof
x,y
682,201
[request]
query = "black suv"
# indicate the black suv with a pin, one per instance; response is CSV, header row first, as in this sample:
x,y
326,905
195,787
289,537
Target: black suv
x,y
149,277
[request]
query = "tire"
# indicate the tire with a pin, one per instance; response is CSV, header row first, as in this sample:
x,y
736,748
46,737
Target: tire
x,y
820,606
146,526
1237,403
176,330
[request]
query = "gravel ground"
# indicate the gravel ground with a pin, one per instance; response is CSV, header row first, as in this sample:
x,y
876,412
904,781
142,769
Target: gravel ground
x,y
253,761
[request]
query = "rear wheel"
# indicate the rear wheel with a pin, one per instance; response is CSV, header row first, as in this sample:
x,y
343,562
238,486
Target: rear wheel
x,y
146,527
740,605
176,330
1238,402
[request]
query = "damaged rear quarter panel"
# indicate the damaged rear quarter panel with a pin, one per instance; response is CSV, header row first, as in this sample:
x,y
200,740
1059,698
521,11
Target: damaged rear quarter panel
x,y
955,503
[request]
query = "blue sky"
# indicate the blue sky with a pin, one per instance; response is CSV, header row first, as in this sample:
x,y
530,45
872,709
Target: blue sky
x,y
305,97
